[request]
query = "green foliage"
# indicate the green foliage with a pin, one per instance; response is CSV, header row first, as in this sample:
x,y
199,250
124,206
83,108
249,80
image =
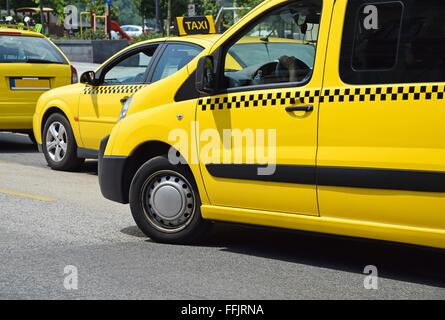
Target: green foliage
x,y
100,8
14,5
57,5
128,11
122,11
179,8
90,34
149,36
247,3
207,7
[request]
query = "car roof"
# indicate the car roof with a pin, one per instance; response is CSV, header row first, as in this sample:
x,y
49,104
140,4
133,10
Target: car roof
x,y
12,30
203,40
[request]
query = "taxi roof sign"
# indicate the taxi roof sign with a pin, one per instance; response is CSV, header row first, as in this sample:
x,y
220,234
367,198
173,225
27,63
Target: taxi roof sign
x,y
195,25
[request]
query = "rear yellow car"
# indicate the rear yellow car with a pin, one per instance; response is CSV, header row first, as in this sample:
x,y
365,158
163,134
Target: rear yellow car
x,y
30,64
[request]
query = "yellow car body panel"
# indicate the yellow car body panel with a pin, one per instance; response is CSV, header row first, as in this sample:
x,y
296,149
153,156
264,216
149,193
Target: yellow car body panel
x,y
17,106
380,134
365,134
61,99
145,125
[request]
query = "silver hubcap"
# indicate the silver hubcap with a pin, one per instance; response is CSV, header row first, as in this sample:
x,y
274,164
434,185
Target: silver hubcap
x,y
168,201
56,141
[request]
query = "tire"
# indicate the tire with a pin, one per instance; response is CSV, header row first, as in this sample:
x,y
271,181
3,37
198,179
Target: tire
x,y
165,203
59,145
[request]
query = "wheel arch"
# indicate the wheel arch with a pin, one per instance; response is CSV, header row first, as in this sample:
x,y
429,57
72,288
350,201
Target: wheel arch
x,y
149,150
57,108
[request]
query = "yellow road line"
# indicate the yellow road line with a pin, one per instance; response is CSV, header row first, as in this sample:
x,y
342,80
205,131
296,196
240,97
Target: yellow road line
x,y
26,195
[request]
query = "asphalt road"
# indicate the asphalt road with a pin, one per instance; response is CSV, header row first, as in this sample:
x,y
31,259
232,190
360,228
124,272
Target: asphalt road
x,y
53,219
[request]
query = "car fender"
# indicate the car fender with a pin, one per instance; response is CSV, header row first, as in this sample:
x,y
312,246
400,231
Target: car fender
x,y
66,110
173,124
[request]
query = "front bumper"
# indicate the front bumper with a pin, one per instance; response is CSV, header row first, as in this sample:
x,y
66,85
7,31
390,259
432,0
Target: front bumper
x,y
111,171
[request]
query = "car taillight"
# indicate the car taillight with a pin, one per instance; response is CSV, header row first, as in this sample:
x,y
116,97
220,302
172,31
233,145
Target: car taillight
x,y
74,78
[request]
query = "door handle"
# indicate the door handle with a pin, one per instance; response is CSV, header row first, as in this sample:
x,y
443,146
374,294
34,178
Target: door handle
x,y
301,108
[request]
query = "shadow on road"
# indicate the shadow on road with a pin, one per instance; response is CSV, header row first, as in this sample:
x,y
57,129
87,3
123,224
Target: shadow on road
x,y
16,143
90,167
394,261
133,231
11,143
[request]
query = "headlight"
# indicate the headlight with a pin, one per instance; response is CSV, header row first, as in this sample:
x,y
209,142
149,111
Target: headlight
x,y
125,107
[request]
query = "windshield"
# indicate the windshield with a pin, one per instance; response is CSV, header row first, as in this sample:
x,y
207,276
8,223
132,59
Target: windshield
x,y
279,47
23,49
270,51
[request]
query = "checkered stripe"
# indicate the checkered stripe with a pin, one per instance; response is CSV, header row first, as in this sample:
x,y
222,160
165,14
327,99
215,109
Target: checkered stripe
x,y
113,89
259,100
403,93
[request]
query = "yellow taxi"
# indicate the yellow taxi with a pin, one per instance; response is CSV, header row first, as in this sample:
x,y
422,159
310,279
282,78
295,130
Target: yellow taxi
x,y
30,64
70,122
342,135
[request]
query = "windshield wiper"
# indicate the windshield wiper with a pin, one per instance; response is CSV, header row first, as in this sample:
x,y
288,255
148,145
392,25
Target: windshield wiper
x,y
30,60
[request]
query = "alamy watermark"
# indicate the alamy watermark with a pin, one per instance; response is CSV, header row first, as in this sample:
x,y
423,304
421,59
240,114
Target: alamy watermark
x,y
371,281
371,21
71,17
71,280
226,146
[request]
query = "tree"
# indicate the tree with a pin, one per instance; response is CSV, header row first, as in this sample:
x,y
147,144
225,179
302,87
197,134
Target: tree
x,y
100,8
179,8
247,3
57,5
207,8
14,5
169,16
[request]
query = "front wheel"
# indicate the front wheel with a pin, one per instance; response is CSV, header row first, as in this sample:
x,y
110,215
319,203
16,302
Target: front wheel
x,y
59,145
165,203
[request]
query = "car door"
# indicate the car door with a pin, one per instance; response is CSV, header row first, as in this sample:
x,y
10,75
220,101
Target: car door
x,y
258,140
381,139
100,105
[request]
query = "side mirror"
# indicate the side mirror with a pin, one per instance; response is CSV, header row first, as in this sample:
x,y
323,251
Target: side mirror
x,y
205,75
88,77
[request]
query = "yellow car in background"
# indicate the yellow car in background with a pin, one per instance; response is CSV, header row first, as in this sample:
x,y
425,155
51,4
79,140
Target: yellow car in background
x,y
30,64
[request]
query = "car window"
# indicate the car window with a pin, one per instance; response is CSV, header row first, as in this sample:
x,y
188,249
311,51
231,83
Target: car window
x,y
393,42
131,70
269,51
174,58
377,49
280,47
23,49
